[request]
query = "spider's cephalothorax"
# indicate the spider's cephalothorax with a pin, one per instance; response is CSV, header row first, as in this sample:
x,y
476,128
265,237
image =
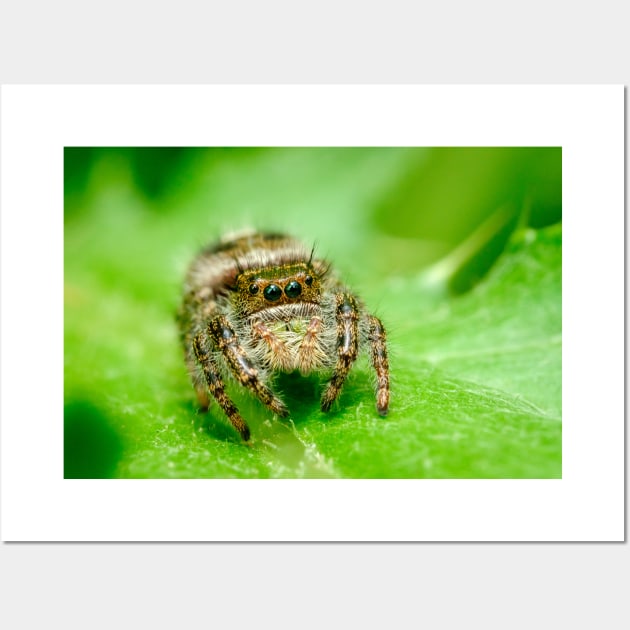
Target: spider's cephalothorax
x,y
256,304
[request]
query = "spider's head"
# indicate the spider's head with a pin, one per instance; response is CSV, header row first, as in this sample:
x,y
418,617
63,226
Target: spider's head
x,y
258,289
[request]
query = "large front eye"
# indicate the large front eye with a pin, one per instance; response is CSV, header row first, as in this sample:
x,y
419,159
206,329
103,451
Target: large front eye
x,y
272,293
293,289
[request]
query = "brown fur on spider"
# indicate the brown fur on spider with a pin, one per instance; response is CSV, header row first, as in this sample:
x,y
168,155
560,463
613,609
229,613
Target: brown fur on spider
x,y
256,304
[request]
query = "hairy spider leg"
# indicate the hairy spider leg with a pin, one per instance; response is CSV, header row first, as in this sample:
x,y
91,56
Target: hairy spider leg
x,y
199,383
241,366
202,347
276,346
309,354
380,363
347,316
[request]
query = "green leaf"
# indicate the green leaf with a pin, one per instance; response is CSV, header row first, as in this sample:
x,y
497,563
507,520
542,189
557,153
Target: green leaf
x,y
476,379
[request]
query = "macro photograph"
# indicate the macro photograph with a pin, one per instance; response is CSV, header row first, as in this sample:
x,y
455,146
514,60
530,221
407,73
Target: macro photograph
x,y
312,312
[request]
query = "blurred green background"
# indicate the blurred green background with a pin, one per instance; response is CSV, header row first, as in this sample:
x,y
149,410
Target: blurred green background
x,y
458,250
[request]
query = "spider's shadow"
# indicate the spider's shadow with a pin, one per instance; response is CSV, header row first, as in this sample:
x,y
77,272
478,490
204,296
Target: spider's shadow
x,y
301,394
211,422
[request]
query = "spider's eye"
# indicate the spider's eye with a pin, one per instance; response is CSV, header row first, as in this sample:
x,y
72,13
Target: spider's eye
x,y
253,289
308,281
293,289
272,293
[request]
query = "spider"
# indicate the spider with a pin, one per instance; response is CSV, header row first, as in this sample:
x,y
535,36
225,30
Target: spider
x,y
256,304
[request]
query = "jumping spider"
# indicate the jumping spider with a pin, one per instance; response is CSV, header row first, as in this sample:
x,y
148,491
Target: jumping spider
x,y
256,304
